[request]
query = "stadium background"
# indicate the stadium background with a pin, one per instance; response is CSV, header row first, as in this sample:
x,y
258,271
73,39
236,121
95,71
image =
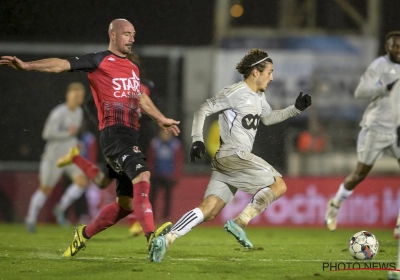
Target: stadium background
x,y
190,52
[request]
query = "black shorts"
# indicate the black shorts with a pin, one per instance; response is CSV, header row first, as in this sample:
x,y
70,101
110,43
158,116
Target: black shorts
x,y
120,146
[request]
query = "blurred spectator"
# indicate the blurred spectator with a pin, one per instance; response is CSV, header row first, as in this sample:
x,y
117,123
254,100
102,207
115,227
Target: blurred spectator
x,y
313,140
165,159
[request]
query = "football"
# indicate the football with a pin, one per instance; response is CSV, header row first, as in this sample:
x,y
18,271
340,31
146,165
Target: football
x,y
363,245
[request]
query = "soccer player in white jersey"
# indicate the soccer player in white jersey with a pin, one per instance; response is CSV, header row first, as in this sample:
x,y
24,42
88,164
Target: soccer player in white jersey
x,y
60,132
378,129
241,107
395,105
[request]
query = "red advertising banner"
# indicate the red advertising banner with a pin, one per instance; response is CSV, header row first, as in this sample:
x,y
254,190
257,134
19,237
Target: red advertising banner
x,y
374,203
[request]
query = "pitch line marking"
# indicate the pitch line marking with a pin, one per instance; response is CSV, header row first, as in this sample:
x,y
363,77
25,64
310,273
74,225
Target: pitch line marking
x,y
207,259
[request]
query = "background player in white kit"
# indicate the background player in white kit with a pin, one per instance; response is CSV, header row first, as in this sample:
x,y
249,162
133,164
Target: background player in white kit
x,y
378,129
241,106
60,131
395,103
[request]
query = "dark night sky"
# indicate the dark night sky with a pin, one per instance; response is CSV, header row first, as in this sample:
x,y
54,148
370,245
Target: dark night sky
x,y
157,22
162,22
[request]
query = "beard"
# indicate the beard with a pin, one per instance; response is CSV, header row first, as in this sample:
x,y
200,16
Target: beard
x,y
394,59
126,49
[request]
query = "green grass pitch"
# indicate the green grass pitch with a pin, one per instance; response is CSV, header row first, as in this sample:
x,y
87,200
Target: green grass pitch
x,y
205,253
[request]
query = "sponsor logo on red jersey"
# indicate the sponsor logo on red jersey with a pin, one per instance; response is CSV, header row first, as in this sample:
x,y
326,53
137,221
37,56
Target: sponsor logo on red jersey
x,y
127,87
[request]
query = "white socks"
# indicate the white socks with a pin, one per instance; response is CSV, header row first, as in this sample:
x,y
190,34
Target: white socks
x,y
258,203
72,193
184,225
341,195
37,201
39,198
187,222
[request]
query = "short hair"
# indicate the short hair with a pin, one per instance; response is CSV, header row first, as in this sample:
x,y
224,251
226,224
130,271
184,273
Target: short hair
x,y
255,58
75,86
392,34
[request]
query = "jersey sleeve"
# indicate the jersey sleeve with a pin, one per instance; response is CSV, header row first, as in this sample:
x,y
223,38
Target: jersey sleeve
x,y
215,104
277,116
86,63
370,86
218,103
265,108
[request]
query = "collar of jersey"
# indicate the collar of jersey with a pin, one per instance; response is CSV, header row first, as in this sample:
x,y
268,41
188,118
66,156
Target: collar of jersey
x,y
116,55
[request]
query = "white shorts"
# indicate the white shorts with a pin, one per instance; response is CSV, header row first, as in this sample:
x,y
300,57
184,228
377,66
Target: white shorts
x,y
244,171
371,145
49,173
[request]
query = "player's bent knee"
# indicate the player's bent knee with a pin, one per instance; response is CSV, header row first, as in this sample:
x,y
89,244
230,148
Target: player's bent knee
x,y
125,202
283,186
144,176
279,187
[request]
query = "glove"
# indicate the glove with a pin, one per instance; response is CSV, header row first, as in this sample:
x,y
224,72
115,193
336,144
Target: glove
x,y
389,86
302,101
196,150
398,136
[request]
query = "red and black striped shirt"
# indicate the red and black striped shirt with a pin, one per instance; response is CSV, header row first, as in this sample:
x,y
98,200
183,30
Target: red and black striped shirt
x,y
115,85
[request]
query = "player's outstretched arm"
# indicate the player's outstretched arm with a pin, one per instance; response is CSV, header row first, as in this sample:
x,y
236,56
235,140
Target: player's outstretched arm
x,y
277,116
148,107
50,65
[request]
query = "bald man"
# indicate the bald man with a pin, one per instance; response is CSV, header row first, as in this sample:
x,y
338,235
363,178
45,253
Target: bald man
x,y
115,85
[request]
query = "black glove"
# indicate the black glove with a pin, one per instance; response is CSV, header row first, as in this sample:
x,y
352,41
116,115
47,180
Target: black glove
x,y
302,101
398,136
196,150
389,86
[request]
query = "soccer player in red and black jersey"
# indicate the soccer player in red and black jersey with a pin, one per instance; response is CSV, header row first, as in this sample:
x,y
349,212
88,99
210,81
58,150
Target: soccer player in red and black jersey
x,y
98,174
115,85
